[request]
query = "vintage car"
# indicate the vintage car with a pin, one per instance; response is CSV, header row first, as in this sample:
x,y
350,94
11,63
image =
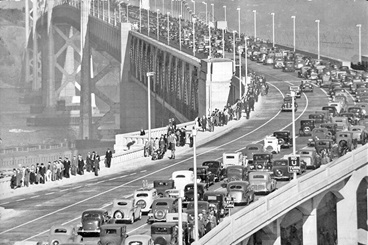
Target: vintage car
x,y
306,127
63,233
262,181
261,162
182,178
161,207
360,133
145,198
331,127
189,192
234,173
345,141
126,209
269,60
310,157
204,176
339,106
317,134
271,145
92,219
331,110
278,63
114,234
250,150
297,90
312,74
280,169
288,66
139,240
284,138
352,118
167,233
342,123
306,86
324,145
240,191
215,167
231,159
357,110
287,104
217,201
318,118
303,71
162,185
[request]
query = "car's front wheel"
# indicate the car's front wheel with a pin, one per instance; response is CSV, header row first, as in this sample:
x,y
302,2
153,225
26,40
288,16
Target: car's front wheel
x,y
118,215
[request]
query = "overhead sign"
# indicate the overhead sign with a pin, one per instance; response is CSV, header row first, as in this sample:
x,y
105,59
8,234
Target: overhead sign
x,y
229,202
294,163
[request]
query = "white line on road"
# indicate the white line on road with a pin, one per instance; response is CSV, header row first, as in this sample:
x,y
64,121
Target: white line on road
x,y
139,227
143,171
20,200
139,178
65,190
127,196
34,196
49,193
132,174
100,181
4,203
76,187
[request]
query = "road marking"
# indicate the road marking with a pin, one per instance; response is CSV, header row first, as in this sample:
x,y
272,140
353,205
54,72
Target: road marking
x,y
34,196
132,174
75,187
100,181
127,196
49,193
142,177
139,227
20,200
143,171
106,205
4,203
65,190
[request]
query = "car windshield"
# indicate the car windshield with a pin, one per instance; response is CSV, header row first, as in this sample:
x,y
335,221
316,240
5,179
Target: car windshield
x,y
211,164
280,163
91,215
161,184
258,176
111,231
254,149
60,230
201,205
161,230
281,134
162,204
212,198
235,187
261,157
189,187
142,195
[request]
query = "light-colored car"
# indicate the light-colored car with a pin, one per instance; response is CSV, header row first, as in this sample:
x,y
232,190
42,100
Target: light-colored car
x,y
63,234
240,192
161,207
310,157
250,150
182,178
297,90
145,198
360,132
271,145
262,181
126,209
139,240
233,158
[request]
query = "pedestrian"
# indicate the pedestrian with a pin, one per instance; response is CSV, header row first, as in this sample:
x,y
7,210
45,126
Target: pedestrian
x,y
48,172
172,144
89,162
96,165
42,173
204,123
108,157
74,166
32,175
80,165
26,177
13,180
66,167
142,133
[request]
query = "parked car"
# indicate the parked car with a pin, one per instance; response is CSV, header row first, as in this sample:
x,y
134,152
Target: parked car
x,y
113,234
310,157
241,192
162,185
63,234
145,198
216,168
284,138
216,199
139,240
280,169
271,145
126,209
204,176
182,178
262,181
161,207
92,219
306,127
287,104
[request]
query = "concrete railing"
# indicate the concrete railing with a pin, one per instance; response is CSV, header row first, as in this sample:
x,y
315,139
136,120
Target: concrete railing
x,y
122,140
254,217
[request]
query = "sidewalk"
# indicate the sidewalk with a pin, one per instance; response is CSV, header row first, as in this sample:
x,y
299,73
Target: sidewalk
x,y
202,138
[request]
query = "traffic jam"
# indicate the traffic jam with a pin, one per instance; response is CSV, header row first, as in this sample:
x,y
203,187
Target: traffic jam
x,y
335,129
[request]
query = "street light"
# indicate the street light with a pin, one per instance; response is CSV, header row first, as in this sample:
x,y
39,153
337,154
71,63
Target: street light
x,y
213,12
149,75
195,195
180,32
168,28
172,10
193,7
293,17
360,42
157,25
292,93
234,49
273,30
246,61
194,20
239,20
255,23
318,43
140,16
148,20
206,12
224,12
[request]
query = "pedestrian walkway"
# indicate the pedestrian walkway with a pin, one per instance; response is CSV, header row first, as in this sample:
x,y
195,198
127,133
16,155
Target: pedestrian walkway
x,y
201,139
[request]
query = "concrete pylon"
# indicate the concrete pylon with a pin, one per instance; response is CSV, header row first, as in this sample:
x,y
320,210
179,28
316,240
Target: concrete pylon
x,y
69,90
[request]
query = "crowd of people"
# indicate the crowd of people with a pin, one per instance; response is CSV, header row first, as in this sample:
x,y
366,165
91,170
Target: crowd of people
x,y
40,173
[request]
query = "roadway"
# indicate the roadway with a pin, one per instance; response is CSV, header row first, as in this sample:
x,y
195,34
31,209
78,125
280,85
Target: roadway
x,y
63,205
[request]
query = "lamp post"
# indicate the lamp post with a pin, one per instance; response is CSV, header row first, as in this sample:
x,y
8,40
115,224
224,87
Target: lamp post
x,y
234,50
223,43
246,61
180,32
206,12
292,93
239,21
149,75
195,195
318,43
255,22
293,17
157,25
181,9
213,12
193,7
172,10
168,28
273,30
148,20
194,20
359,42
140,16
127,13
224,12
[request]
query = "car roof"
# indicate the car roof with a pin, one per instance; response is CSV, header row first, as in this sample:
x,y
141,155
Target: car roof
x,y
95,211
165,224
137,237
214,193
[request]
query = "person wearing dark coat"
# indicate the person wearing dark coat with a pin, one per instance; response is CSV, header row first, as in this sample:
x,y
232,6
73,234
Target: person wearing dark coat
x,y
32,175
42,170
13,180
251,102
89,162
66,167
96,163
108,157
26,177
19,177
80,165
